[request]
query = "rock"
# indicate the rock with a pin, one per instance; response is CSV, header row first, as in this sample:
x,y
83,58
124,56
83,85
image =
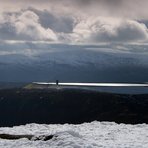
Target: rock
x,y
29,137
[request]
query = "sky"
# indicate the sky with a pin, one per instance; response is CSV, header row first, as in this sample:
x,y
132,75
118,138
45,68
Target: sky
x,y
74,21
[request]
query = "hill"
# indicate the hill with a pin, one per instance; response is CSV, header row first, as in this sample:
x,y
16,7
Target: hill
x,y
21,106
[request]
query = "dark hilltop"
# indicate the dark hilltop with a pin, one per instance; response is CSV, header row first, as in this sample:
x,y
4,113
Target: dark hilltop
x,y
62,105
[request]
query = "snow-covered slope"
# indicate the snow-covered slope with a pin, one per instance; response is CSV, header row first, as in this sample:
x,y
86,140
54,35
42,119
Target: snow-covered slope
x,y
87,135
73,63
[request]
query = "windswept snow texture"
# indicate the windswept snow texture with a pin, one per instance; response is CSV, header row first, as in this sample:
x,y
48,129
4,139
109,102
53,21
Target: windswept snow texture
x,y
87,135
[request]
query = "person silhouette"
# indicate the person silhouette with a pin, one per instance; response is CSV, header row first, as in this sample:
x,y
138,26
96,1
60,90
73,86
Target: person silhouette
x,y
57,82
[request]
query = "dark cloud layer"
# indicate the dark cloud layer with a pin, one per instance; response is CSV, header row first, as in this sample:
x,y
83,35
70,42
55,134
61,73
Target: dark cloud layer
x,y
63,23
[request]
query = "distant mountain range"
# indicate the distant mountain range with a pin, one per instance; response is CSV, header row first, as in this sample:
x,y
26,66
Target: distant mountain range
x,y
75,65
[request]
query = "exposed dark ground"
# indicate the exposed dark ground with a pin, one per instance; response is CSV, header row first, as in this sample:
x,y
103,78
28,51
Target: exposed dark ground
x,y
48,106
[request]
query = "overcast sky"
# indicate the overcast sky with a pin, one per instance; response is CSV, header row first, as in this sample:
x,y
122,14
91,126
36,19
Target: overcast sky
x,y
74,21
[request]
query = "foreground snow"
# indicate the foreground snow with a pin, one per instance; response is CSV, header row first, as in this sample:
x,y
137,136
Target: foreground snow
x,y
87,135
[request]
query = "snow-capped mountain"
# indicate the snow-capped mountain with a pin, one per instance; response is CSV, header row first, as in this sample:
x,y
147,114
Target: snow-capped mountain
x,y
74,63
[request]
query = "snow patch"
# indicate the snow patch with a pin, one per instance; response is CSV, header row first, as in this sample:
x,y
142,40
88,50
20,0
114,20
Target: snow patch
x,y
87,135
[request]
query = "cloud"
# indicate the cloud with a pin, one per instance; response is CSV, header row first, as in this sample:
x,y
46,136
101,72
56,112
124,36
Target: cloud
x,y
110,30
121,8
46,25
58,23
24,26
